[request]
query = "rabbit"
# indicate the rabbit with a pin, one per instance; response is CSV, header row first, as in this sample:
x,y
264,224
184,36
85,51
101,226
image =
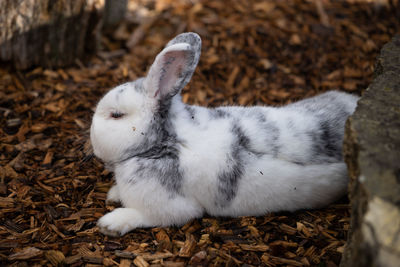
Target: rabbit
x,y
174,162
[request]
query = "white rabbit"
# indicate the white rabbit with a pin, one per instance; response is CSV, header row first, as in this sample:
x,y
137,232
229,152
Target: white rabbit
x,y
174,162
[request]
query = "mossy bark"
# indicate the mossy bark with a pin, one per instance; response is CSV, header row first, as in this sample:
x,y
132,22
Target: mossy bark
x,y
372,153
48,33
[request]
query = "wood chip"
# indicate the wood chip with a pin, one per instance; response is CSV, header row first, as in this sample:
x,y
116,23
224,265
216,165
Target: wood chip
x,y
140,262
126,263
39,127
48,158
26,253
254,247
55,257
188,247
6,202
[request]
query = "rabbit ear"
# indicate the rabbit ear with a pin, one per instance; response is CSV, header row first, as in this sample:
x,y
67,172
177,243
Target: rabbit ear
x,y
174,66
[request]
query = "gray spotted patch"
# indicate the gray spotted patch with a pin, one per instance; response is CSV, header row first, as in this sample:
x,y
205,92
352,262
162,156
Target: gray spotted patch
x,y
327,142
271,132
165,168
218,113
229,178
228,185
157,155
326,138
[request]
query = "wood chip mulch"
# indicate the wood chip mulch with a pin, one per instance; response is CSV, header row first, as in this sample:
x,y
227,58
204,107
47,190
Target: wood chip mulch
x,y
254,52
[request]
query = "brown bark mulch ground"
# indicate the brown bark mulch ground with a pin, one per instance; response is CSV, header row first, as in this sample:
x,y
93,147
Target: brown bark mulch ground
x,y
254,52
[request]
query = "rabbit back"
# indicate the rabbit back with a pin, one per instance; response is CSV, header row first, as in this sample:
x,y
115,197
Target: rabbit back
x,y
235,151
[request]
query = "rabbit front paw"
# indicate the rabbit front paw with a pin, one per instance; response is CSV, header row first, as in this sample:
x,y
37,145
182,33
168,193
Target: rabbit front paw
x,y
120,221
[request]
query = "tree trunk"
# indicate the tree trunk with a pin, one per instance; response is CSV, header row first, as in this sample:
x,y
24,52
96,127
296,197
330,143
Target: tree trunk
x,y
372,153
49,33
114,12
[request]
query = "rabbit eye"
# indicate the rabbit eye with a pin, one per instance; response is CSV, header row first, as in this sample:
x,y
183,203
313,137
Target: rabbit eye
x,y
116,115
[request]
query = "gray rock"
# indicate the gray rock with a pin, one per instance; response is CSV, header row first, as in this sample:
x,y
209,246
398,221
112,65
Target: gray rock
x,y
372,153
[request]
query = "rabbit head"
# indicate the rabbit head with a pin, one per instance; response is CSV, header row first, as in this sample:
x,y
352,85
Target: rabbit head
x,y
123,117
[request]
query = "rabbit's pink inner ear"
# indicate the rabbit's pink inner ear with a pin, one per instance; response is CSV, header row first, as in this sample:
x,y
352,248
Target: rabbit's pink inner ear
x,y
171,71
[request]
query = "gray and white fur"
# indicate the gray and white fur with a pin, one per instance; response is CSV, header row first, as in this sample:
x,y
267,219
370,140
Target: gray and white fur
x,y
174,162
